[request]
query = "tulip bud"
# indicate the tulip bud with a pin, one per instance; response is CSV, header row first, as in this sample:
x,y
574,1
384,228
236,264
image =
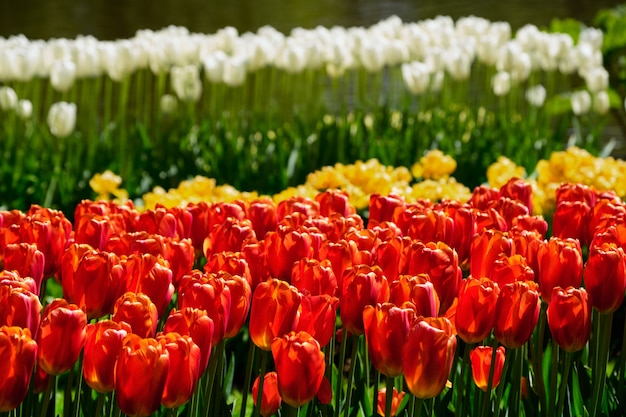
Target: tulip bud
x,y
24,109
8,98
480,358
581,102
62,75
62,119
103,344
536,95
270,398
569,318
186,82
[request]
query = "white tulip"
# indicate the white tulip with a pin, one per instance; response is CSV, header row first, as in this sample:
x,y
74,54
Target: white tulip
x,y
601,102
416,76
234,71
24,109
596,79
186,82
62,75
292,58
62,119
591,36
536,95
168,104
581,102
458,64
8,98
501,83
214,66
372,56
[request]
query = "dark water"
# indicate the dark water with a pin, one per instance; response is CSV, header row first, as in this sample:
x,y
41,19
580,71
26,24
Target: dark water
x,y
115,19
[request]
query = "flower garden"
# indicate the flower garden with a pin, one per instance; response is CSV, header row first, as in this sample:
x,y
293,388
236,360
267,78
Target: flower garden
x,y
411,219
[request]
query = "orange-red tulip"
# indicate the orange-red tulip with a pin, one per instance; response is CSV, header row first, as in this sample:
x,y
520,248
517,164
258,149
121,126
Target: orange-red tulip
x,y
256,257
274,311
103,345
340,257
315,276
480,358
19,307
486,247
605,276
19,352
240,295
140,375
229,236
300,367
386,330
441,263
571,220
195,324
284,248
396,400
384,208
150,275
138,311
560,265
94,229
520,190
232,262
262,215
26,260
476,309
91,279
569,318
61,336
427,357
507,269
317,316
335,201
517,313
184,370
270,398
419,291
179,254
363,285
207,292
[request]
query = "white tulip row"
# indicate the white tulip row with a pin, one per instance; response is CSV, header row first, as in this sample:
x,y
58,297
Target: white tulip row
x,y
427,47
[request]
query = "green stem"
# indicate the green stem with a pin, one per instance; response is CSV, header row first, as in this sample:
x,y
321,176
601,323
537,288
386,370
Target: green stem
x,y
621,381
418,405
605,322
388,395
355,349
49,392
492,367
538,361
553,377
511,356
460,391
259,395
567,364
99,404
342,360
248,378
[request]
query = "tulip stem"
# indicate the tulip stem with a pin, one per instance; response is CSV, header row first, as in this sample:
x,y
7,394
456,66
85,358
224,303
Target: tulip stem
x,y
553,377
259,395
355,349
460,391
50,390
492,368
537,360
99,404
248,378
510,357
418,404
564,383
342,360
603,338
621,382
388,395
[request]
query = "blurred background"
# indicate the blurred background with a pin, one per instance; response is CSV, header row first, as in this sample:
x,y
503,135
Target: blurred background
x,y
119,19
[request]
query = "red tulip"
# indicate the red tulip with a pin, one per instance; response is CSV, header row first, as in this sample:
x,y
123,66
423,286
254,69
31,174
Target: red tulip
x,y
464,227
476,309
427,357
386,330
569,318
517,313
560,265
240,295
483,197
480,358
232,262
195,324
19,307
486,247
284,248
262,215
300,367
340,257
256,257
571,220
91,279
94,229
441,263
417,290
61,336
179,254
274,311
297,204
605,276
184,370
316,277
138,311
363,285
520,190
208,292
229,236
150,275
27,260
384,208
317,317
19,352
270,398
335,201
103,345
507,269
391,257
140,375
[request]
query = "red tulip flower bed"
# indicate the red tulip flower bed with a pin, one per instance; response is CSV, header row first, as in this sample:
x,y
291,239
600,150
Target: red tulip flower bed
x,y
468,308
